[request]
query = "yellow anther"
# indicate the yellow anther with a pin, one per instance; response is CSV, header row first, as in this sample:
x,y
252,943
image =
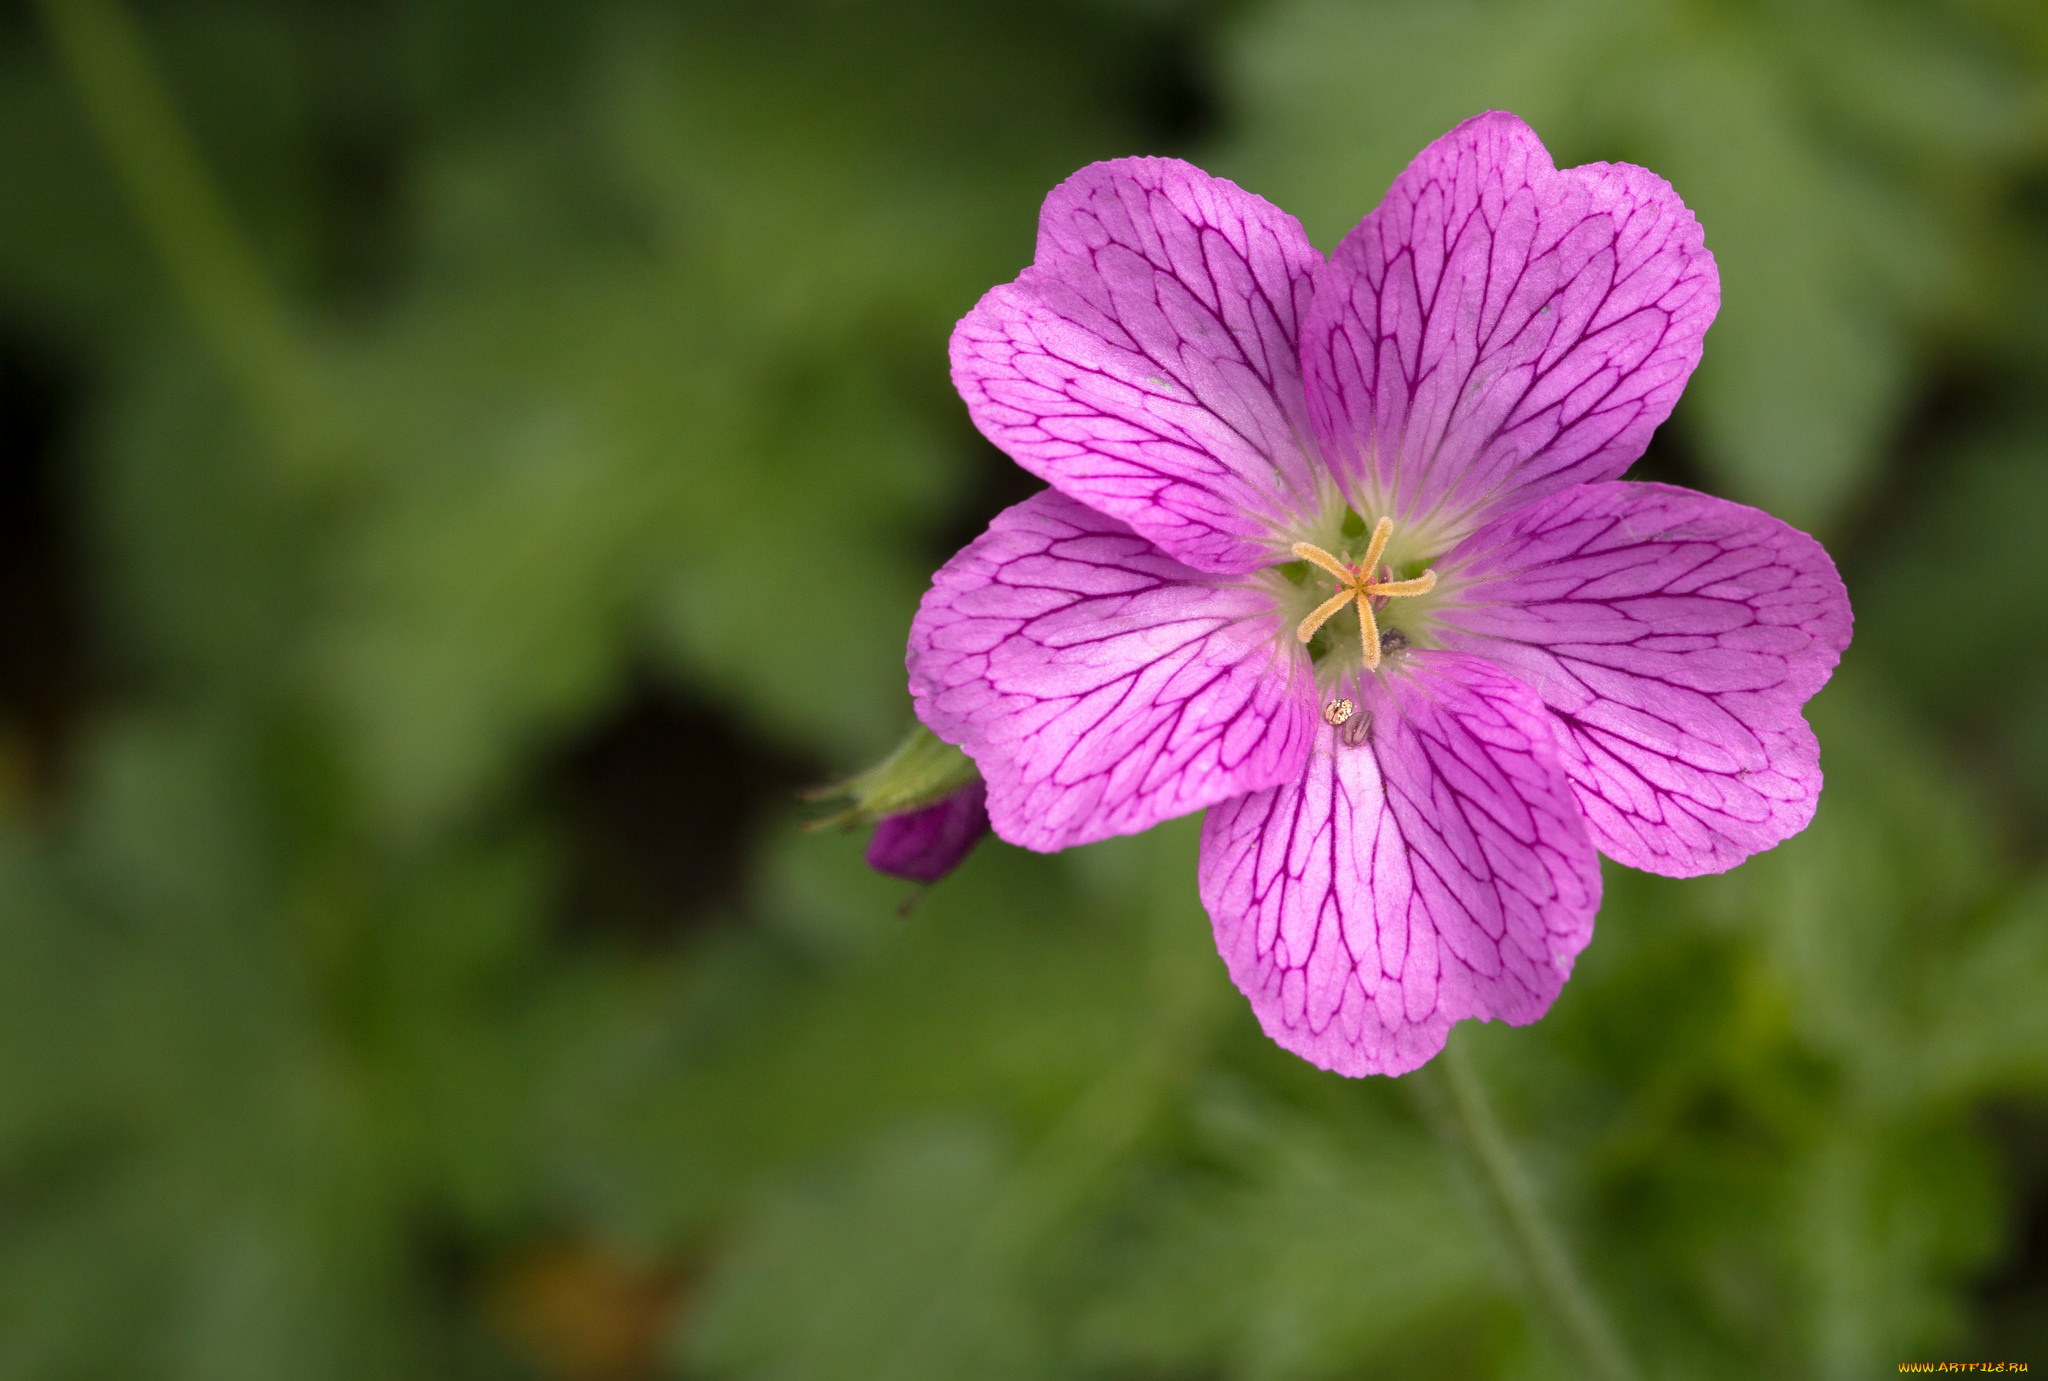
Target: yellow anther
x,y
1376,548
1308,551
1359,583
1421,585
1368,632
1322,613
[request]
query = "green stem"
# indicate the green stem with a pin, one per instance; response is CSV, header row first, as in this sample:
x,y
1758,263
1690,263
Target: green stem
x,y
1551,1275
210,264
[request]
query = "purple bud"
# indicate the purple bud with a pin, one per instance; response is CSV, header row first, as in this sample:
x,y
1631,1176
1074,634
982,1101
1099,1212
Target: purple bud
x,y
927,843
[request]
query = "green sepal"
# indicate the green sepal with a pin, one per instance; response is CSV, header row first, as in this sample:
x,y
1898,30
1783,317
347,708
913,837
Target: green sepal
x,y
918,771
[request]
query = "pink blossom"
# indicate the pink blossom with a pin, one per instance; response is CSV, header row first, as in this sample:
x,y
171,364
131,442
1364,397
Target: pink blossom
x,y
1338,549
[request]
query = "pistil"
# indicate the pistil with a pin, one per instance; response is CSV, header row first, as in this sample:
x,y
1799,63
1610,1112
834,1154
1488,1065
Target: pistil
x,y
1360,583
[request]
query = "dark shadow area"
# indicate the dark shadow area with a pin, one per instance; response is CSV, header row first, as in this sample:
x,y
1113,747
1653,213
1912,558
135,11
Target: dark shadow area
x,y
1951,405
1671,458
42,659
364,125
362,237
1171,94
662,801
1976,399
993,483
2013,1298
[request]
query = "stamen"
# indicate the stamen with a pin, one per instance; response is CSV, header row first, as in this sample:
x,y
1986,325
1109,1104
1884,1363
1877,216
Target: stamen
x,y
1323,611
1381,531
1368,633
1308,551
1361,583
1421,585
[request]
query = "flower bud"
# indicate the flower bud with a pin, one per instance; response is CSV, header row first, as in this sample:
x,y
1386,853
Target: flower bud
x,y
924,845
927,802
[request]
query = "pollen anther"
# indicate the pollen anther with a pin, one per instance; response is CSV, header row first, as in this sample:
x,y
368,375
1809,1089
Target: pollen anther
x,y
1360,583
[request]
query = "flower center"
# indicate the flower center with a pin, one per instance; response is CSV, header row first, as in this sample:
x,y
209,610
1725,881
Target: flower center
x,y
1361,584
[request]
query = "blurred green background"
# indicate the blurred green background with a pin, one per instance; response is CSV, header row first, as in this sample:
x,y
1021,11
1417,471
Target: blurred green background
x,y
425,584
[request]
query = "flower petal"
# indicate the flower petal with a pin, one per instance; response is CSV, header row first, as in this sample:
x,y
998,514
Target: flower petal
x,y
1436,871
925,844
1499,329
1100,685
1676,636
1147,362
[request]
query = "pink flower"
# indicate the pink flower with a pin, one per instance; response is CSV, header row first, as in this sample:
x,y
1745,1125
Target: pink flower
x,y
1337,549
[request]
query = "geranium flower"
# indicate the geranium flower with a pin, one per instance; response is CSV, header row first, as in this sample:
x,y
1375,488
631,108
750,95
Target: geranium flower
x,y
1337,549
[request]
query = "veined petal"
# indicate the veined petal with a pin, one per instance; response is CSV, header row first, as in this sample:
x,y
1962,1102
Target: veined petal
x,y
1676,636
1100,685
1437,870
1499,329
1147,363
